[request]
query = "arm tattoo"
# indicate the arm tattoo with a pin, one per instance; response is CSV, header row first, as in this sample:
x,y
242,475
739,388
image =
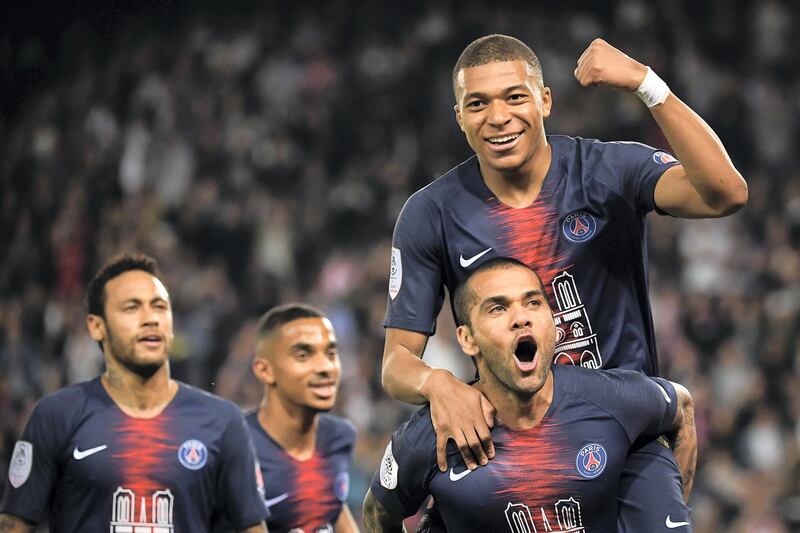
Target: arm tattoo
x,y
378,520
12,524
685,450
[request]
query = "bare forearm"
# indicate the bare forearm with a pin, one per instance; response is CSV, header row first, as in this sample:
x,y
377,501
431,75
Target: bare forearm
x,y
378,520
345,523
12,524
404,377
707,184
685,442
404,373
705,160
686,456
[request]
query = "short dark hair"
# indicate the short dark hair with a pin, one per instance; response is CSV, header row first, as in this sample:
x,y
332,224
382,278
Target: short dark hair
x,y
494,48
464,297
283,314
96,293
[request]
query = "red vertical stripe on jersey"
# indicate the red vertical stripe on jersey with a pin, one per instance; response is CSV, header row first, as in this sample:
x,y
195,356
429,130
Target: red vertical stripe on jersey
x,y
313,497
530,235
146,444
534,469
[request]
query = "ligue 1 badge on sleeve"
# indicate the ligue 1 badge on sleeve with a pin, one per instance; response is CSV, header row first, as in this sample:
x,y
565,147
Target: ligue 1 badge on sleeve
x,y
396,273
388,473
21,462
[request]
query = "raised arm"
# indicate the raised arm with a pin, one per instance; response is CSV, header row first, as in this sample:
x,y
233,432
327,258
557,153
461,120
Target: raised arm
x,y
458,411
706,184
685,441
379,520
13,524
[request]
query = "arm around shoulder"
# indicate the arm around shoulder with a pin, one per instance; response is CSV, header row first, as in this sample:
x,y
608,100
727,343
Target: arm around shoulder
x,y
458,411
403,372
685,442
379,520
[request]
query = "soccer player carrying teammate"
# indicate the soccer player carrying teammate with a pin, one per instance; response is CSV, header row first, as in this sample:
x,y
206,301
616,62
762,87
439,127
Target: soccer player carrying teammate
x,y
561,432
305,454
132,450
571,208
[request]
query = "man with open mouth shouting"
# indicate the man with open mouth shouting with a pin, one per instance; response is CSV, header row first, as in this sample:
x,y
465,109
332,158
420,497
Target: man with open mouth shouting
x,y
561,432
574,210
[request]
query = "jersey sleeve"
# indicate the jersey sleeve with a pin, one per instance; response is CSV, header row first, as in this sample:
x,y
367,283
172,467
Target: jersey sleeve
x,y
416,290
33,469
635,169
240,489
347,434
645,405
408,464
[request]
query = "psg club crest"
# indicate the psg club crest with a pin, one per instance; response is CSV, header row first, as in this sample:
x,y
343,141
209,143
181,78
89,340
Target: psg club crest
x,y
579,226
591,460
342,485
193,454
663,158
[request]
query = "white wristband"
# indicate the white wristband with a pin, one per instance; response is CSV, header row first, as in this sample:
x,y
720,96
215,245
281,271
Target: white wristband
x,y
653,90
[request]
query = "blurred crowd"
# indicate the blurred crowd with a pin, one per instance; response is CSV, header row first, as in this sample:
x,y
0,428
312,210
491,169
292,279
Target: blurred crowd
x,y
263,154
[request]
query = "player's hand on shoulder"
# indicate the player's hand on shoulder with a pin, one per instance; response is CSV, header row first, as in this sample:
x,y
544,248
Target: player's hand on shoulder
x,y
603,63
463,414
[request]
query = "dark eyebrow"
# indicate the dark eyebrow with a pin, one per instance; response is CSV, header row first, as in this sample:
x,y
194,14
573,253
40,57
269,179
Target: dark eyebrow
x,y
504,300
309,347
531,294
304,346
139,300
507,90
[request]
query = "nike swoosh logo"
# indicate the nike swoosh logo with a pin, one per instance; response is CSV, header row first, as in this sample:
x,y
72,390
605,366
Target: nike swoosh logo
x,y
277,499
456,477
672,525
78,455
666,396
467,262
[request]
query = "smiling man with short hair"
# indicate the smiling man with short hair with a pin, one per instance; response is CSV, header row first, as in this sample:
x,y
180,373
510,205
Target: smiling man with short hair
x,y
574,209
305,453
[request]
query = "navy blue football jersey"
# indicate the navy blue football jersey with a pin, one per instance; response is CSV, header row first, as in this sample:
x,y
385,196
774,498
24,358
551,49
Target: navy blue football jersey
x,y
584,235
306,495
86,466
561,475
